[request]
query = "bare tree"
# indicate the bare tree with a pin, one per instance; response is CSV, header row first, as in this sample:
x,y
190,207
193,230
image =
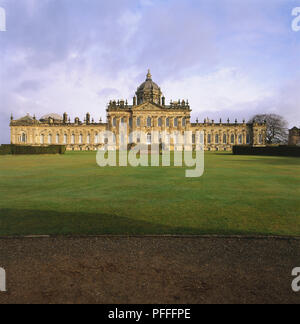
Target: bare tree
x,y
277,127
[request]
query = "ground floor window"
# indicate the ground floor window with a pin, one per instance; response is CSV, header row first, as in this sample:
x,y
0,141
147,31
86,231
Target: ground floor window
x,y
194,139
209,139
232,139
149,139
248,139
240,139
23,138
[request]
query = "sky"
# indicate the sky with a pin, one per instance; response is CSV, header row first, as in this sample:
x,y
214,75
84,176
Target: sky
x,y
229,58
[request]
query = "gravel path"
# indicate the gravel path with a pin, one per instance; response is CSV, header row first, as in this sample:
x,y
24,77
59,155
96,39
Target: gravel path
x,y
149,270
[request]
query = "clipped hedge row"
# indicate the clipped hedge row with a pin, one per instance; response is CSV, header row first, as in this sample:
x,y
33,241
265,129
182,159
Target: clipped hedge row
x,y
282,150
22,149
5,149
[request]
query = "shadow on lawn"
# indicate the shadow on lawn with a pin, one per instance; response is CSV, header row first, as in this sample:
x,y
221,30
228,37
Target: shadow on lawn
x,y
15,222
40,222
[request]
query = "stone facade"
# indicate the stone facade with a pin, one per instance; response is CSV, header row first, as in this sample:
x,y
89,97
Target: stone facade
x,y
294,136
147,114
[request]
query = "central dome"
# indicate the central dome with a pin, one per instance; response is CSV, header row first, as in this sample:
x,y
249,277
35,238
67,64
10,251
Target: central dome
x,y
148,84
148,91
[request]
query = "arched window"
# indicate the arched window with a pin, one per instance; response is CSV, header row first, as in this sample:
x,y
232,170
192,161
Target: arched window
x,y
168,122
217,139
130,138
138,122
175,122
23,138
260,139
240,139
96,138
149,122
248,138
232,139
80,139
123,120
159,122
224,139
88,139
114,122
209,138
65,139
183,122
201,139
194,138
49,139
149,139
73,139
57,138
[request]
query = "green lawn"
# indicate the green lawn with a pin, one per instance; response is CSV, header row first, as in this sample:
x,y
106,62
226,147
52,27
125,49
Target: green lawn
x,y
70,194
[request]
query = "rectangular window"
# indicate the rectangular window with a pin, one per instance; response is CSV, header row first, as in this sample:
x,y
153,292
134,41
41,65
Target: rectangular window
x,y
248,139
209,139
194,139
232,139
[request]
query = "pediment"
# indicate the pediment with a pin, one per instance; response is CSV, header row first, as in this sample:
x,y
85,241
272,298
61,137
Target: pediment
x,y
147,106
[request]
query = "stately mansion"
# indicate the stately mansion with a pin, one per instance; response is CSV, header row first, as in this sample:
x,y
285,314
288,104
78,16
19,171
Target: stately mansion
x,y
148,113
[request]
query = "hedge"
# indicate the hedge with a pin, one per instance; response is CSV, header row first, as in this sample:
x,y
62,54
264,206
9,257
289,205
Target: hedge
x,y
22,149
282,150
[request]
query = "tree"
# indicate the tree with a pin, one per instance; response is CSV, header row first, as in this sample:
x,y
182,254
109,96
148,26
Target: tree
x,y
277,128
